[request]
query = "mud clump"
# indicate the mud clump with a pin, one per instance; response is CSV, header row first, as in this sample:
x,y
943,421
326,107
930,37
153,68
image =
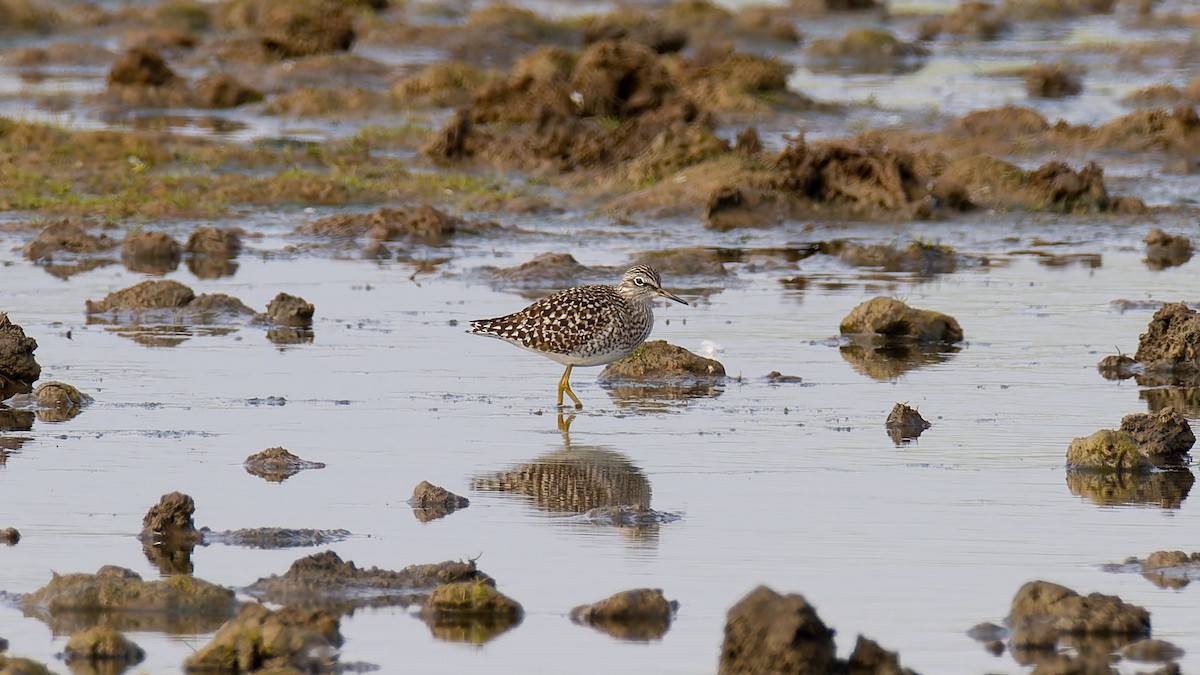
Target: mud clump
x,y
424,223
15,665
277,464
766,632
546,270
1055,186
685,262
1006,123
1118,367
642,614
1163,437
290,639
141,67
916,257
430,502
116,589
865,49
10,536
889,319
102,645
1107,451
1053,80
170,520
167,300
66,238
18,369
290,310
291,29
1043,612
1149,650
324,580
150,252
59,401
1165,569
470,611
905,424
1171,343
217,242
862,179
657,359
221,91
971,19
1166,250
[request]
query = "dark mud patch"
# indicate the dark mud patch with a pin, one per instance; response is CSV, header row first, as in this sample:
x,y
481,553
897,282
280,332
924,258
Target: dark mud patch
x,y
290,639
1163,437
277,464
273,537
640,615
18,368
10,536
769,632
1165,569
1053,80
323,580
430,502
470,611
290,311
905,424
177,604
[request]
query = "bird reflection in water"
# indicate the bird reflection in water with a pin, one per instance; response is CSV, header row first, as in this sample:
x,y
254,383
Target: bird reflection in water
x,y
596,485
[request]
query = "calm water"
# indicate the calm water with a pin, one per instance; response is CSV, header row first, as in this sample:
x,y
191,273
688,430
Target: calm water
x,y
796,486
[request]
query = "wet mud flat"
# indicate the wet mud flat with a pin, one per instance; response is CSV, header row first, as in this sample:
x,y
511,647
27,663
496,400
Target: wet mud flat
x,y
892,419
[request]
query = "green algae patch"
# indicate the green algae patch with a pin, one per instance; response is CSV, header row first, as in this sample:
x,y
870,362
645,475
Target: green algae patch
x,y
470,611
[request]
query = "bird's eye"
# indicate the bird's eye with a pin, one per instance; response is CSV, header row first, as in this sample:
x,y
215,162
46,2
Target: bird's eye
x,y
639,281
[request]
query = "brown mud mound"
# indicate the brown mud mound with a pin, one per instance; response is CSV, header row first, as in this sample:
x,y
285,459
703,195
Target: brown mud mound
x,y
1053,80
221,91
657,359
290,310
1175,130
470,611
1118,367
889,319
863,178
905,424
1004,124
15,665
865,50
1164,437
440,85
292,28
1171,343
273,537
992,183
258,639
545,271
141,67
430,502
736,82
217,242
1164,489
1166,250
1149,650
916,256
972,19
562,112
770,633
59,401
104,648
167,301
18,369
423,223
1107,451
641,615
10,536
150,252
66,238
692,261
1050,612
71,601
277,464
324,580
170,521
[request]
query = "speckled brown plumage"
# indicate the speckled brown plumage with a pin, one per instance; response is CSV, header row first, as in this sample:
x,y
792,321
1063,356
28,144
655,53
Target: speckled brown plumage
x,y
586,325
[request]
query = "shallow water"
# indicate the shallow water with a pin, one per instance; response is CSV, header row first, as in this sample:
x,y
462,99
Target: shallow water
x,y
795,485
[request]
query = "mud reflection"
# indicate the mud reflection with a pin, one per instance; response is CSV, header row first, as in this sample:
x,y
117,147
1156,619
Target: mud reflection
x,y
1161,390
888,360
660,396
600,486
15,420
211,267
162,335
1164,489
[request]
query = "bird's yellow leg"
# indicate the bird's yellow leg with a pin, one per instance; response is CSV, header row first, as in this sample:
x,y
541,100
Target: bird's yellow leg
x,y
565,385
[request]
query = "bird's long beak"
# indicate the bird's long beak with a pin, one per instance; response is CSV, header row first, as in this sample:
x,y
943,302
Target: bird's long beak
x,y
668,294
